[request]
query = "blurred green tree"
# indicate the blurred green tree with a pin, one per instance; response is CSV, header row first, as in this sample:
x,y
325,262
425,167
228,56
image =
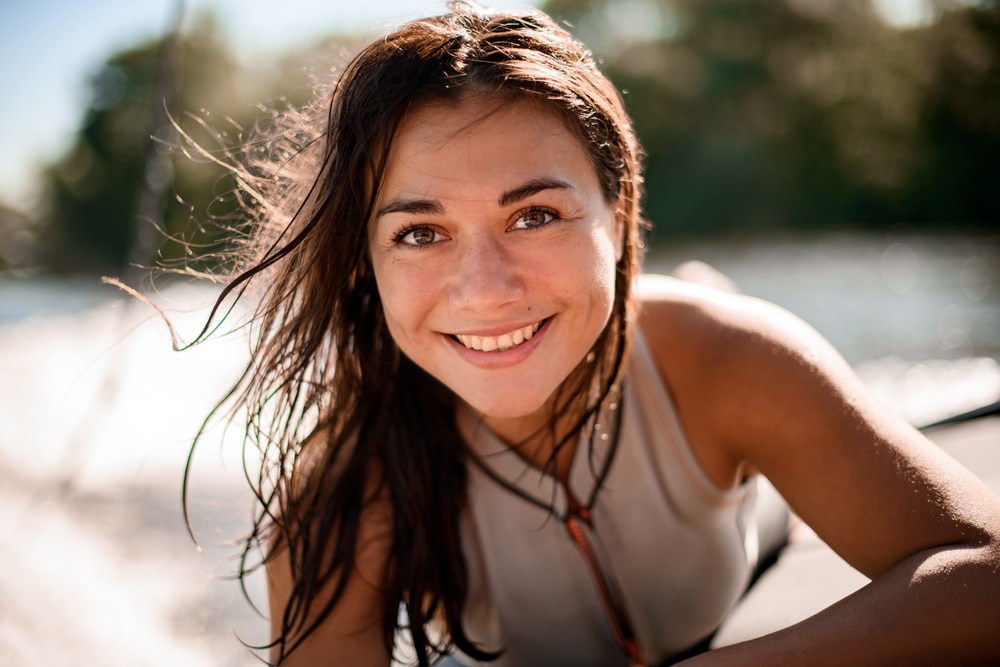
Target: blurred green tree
x,y
957,175
117,196
758,114
19,242
146,181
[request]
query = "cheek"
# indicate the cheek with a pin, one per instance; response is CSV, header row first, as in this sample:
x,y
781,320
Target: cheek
x,y
406,297
393,293
602,263
586,276
605,272
401,321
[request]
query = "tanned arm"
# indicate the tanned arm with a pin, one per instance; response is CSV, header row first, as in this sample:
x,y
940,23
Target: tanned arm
x,y
758,390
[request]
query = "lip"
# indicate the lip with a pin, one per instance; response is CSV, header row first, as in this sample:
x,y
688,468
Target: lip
x,y
497,359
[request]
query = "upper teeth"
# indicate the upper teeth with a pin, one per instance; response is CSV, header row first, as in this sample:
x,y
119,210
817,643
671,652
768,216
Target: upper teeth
x,y
499,343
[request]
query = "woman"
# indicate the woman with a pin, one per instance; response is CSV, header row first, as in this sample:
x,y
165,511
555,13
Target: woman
x,y
483,431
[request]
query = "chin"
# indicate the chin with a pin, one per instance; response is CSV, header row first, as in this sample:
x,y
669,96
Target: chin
x,y
504,408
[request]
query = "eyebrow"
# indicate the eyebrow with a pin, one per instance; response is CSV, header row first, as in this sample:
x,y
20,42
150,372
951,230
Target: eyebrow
x,y
530,188
432,206
414,206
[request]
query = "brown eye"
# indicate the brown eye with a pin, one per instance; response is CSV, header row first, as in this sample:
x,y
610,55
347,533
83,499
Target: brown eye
x,y
533,219
417,236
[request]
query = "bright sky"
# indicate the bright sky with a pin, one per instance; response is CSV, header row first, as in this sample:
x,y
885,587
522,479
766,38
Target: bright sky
x,y
49,48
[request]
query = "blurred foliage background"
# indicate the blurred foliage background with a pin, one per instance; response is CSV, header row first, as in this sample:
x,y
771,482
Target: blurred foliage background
x,y
756,115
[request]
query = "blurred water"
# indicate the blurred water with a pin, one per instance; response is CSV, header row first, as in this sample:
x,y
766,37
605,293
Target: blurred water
x,y
33,297
97,421
873,296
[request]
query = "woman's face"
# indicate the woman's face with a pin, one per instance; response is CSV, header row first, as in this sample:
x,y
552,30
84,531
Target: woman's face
x,y
494,250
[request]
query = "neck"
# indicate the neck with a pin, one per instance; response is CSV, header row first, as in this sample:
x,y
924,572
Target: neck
x,y
535,437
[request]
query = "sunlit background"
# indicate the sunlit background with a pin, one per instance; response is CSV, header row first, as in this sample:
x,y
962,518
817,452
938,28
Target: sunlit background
x,y
838,157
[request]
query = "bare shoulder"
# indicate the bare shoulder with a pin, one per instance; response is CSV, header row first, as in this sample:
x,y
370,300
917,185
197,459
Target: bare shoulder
x,y
703,317
760,390
721,335
731,361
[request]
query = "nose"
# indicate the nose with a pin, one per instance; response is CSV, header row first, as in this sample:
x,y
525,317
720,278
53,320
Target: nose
x,y
485,274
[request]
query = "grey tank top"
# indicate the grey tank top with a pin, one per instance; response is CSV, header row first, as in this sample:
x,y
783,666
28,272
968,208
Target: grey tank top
x,y
679,549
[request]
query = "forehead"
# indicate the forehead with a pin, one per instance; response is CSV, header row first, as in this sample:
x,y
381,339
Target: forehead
x,y
483,141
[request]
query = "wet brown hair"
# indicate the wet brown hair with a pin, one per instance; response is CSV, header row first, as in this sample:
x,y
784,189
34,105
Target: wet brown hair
x,y
326,384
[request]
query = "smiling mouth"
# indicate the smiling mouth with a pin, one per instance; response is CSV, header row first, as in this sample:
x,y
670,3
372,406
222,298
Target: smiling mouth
x,y
502,343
